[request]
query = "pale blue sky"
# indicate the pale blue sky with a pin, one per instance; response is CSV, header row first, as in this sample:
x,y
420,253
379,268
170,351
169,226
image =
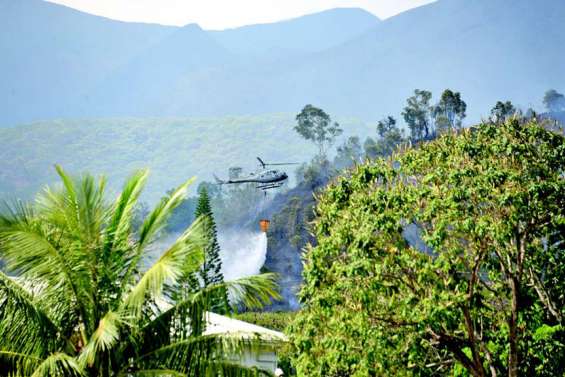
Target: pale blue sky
x,y
221,14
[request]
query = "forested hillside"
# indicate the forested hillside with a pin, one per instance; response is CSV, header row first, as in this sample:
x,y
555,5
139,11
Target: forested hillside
x,y
173,149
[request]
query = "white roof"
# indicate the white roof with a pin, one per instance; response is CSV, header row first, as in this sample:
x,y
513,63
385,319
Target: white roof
x,y
219,324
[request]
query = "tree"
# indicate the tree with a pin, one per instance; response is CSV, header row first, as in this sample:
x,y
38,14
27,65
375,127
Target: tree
x,y
211,270
315,125
554,101
446,259
450,111
348,153
418,115
385,126
314,174
502,111
390,136
86,302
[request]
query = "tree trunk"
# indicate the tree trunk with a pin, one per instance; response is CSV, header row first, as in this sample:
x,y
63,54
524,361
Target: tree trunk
x,y
513,335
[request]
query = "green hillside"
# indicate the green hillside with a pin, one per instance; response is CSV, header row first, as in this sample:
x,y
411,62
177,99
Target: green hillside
x,y
173,149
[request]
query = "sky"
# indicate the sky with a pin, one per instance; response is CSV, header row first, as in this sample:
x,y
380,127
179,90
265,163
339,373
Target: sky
x,y
222,14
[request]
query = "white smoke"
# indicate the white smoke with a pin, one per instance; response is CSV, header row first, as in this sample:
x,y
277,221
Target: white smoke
x,y
242,253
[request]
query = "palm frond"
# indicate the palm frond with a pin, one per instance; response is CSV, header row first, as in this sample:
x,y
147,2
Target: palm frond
x,y
253,292
17,363
187,317
78,208
59,364
153,373
25,327
116,254
74,217
155,222
186,253
202,356
29,250
119,227
103,339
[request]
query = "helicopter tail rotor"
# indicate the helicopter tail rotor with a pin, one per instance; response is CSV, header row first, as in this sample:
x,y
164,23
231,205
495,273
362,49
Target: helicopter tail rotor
x,y
261,162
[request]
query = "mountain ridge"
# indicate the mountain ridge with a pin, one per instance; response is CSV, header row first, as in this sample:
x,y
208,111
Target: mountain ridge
x,y
482,48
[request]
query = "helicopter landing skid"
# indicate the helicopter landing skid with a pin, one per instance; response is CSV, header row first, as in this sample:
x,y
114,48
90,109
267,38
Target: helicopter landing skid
x,y
267,187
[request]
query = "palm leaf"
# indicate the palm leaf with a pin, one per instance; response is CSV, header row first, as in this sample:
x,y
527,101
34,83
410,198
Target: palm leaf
x,y
187,317
153,373
154,222
253,292
103,339
116,254
201,356
28,249
76,214
119,228
59,364
25,327
17,363
185,253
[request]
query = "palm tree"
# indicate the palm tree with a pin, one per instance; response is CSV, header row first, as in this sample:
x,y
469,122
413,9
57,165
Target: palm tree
x,y
88,302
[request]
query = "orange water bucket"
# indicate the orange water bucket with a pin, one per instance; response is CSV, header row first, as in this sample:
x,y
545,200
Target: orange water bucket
x,y
264,225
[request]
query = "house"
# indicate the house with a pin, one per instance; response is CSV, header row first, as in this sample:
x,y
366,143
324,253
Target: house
x,y
263,356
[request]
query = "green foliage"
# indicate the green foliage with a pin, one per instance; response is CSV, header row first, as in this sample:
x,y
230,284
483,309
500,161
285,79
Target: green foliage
x,y
290,224
480,294
349,153
315,125
211,270
88,302
418,115
277,321
314,174
390,137
449,112
502,111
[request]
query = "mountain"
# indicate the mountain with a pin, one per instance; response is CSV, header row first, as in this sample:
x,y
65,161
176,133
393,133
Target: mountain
x,y
61,63
52,55
154,82
488,50
303,35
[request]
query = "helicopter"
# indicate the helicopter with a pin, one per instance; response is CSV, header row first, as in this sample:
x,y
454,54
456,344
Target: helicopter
x,y
265,178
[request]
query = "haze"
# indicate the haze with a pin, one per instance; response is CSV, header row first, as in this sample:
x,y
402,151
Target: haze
x,y
222,14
